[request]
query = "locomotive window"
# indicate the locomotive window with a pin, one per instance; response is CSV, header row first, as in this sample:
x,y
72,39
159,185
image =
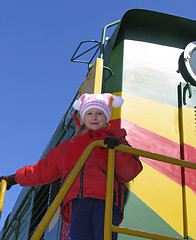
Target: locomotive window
x,y
190,59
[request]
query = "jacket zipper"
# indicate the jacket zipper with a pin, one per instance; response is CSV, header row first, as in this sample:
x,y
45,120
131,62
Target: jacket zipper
x,y
104,172
63,179
114,195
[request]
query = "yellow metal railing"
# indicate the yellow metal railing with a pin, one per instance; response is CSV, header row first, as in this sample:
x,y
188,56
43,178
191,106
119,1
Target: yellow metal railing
x,y
108,228
2,194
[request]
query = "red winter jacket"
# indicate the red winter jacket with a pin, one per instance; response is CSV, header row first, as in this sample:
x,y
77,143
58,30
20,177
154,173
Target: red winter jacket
x,y
91,181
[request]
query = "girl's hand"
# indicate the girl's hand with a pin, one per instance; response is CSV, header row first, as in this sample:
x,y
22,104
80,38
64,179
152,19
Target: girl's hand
x,y
10,180
112,141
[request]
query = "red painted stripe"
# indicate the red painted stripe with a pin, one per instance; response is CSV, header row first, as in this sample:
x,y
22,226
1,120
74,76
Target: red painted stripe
x,y
147,140
190,174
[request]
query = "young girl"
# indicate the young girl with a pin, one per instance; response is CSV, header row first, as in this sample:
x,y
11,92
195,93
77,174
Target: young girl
x,y
84,205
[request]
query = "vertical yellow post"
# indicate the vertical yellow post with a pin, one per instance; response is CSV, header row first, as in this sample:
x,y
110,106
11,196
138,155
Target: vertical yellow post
x,y
2,194
184,201
98,75
94,79
109,196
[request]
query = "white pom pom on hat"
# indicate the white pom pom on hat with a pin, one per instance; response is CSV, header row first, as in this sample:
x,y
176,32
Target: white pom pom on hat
x,y
118,101
100,101
76,104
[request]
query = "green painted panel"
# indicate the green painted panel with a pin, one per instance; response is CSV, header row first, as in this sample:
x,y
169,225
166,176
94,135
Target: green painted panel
x,y
114,83
157,27
140,217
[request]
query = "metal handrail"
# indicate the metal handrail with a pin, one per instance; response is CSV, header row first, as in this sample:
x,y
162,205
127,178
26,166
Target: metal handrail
x,y
104,37
2,194
109,190
98,45
108,226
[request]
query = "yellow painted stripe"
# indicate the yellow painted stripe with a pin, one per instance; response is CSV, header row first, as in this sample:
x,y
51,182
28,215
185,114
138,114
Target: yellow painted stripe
x,y
191,212
164,196
160,118
89,82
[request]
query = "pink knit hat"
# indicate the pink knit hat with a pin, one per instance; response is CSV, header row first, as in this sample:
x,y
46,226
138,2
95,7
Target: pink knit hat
x,y
100,101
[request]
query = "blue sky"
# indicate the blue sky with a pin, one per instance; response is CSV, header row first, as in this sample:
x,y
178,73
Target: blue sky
x,y
37,79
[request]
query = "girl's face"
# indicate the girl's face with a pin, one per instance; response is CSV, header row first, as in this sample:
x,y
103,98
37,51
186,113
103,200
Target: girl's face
x,y
95,119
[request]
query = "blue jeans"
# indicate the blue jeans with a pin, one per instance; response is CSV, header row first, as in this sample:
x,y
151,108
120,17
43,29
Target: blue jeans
x,y
87,219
